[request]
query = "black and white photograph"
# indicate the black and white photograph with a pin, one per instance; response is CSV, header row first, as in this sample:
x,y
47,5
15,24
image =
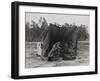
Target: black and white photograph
x,y
50,40
54,40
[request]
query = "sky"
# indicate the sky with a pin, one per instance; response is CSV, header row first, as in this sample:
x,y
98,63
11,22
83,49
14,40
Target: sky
x,y
58,18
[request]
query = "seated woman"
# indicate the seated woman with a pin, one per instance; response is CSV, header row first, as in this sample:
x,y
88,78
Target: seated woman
x,y
54,53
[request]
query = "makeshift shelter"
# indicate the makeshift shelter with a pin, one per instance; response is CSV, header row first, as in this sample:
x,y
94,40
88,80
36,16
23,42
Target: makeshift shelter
x,y
67,36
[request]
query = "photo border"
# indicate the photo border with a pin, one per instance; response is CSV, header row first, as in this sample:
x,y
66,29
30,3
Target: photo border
x,y
15,39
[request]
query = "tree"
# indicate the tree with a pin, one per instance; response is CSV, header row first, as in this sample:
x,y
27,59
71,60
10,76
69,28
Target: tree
x,y
44,24
66,24
27,31
83,34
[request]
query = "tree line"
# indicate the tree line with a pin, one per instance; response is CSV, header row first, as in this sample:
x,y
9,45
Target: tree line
x,y
33,31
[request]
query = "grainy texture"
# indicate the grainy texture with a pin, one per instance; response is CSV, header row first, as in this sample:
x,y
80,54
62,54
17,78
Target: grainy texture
x,y
33,61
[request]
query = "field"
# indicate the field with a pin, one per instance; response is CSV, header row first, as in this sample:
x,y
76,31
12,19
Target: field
x,y
33,61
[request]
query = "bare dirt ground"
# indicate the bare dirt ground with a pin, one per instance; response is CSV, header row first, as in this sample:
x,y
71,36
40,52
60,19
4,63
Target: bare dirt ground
x,y
32,61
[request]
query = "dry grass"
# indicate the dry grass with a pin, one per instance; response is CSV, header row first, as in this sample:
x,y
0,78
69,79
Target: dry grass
x,y
32,61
